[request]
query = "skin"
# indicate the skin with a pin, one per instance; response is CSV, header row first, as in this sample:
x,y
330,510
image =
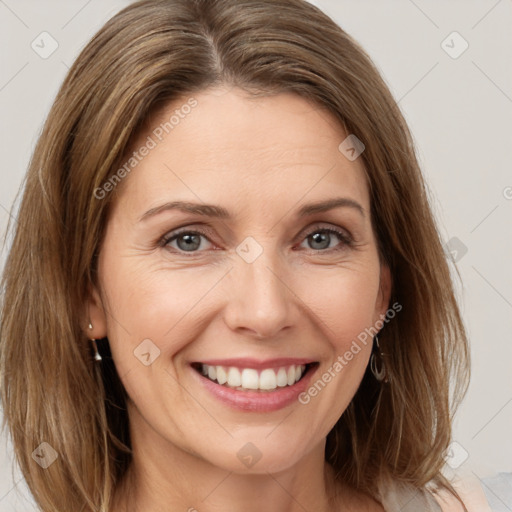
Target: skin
x,y
261,159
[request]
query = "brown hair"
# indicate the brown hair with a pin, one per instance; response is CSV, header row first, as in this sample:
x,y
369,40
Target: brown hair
x,y
150,53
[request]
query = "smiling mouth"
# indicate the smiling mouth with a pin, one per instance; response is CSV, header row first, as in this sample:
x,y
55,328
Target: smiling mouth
x,y
250,379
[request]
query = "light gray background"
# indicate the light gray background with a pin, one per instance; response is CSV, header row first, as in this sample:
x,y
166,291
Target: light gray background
x,y
459,110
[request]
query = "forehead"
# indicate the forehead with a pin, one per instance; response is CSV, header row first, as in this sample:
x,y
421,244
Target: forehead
x,y
250,152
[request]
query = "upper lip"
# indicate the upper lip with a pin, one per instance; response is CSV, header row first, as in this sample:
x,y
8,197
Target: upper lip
x,y
257,364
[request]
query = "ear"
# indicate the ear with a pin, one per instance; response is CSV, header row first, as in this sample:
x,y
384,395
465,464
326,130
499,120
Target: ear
x,y
384,296
95,315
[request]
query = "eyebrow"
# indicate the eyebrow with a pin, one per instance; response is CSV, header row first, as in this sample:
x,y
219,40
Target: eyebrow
x,y
210,210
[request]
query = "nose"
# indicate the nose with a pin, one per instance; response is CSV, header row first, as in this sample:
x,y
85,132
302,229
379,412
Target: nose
x,y
260,302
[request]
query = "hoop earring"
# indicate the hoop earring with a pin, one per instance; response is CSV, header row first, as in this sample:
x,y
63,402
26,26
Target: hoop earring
x,y
97,356
377,364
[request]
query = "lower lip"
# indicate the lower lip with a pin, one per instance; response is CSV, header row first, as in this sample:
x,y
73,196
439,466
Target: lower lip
x,y
256,401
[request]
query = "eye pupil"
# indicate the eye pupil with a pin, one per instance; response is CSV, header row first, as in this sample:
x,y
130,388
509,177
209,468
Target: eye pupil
x,y
321,238
192,242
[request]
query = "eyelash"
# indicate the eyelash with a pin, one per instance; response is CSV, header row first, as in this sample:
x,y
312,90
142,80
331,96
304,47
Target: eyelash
x,y
345,238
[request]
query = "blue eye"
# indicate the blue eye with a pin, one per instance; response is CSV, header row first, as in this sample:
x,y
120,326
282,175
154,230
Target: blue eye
x,y
322,237
187,241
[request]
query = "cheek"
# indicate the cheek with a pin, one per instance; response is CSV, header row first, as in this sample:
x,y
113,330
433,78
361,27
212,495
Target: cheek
x,y
345,311
344,301
170,304
158,305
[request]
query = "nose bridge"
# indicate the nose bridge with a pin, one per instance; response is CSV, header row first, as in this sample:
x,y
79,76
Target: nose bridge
x,y
259,300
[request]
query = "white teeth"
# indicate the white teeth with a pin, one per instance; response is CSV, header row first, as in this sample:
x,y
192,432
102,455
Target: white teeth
x,y
234,377
222,376
291,375
249,378
298,373
268,379
282,378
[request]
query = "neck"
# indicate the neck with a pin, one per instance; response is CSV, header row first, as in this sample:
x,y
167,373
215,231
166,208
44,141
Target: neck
x,y
163,477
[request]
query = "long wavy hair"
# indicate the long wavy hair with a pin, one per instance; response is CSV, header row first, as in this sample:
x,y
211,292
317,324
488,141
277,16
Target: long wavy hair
x,y
151,53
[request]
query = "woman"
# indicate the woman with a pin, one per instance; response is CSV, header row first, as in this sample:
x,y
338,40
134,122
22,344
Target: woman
x,y
226,288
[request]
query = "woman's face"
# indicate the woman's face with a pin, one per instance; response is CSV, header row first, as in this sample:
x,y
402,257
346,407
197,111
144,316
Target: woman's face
x,y
254,279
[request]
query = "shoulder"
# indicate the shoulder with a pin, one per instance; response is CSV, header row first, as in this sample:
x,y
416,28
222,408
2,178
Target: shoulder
x,y
471,492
